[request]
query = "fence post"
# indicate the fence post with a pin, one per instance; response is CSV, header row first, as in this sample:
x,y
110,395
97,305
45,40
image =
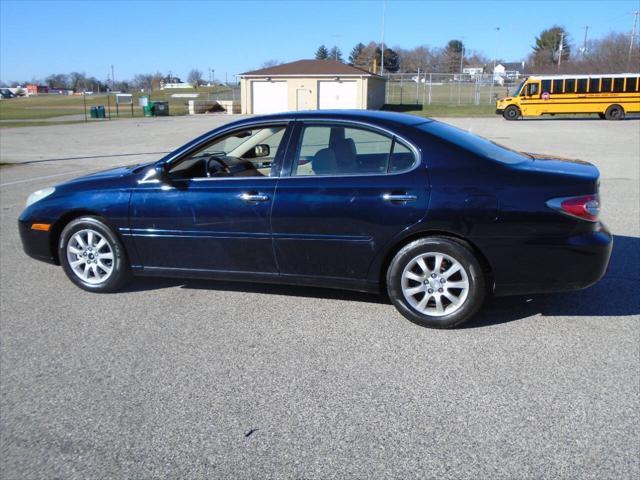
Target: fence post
x,y
418,86
400,89
491,87
430,84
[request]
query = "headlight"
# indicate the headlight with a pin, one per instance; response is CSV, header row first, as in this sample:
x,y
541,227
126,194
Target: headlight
x,y
39,195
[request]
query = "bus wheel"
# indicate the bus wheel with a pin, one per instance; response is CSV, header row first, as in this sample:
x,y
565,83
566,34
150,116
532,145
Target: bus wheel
x,y
511,113
614,112
601,115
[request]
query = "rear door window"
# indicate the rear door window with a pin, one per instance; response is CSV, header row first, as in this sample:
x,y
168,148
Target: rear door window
x,y
338,150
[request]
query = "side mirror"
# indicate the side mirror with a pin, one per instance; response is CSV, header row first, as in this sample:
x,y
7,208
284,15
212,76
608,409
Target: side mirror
x,y
161,172
261,150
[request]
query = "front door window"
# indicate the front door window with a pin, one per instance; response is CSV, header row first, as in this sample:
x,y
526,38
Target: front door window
x,y
244,153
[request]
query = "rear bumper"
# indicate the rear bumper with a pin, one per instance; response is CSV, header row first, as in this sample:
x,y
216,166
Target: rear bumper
x,y
36,243
573,263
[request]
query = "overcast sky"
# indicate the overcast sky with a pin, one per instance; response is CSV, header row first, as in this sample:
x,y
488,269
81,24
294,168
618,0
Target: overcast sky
x,y
40,38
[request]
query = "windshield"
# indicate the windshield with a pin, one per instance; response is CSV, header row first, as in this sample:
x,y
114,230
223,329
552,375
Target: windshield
x,y
516,92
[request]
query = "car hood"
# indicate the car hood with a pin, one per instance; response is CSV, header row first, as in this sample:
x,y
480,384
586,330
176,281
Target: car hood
x,y
112,176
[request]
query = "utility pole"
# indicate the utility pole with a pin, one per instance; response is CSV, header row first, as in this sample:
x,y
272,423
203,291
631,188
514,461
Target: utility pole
x,y
634,33
560,49
113,80
584,43
384,11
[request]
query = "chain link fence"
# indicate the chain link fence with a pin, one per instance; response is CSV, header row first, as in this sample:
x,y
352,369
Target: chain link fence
x,y
447,88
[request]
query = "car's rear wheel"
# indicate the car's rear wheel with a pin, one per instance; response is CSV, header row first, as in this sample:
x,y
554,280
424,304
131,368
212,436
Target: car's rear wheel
x,y
614,112
92,256
511,113
436,282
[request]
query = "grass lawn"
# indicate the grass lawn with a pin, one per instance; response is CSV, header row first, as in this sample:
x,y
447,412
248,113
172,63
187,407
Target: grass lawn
x,y
48,106
442,110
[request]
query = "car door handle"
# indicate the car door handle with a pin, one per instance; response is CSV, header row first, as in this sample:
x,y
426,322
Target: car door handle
x,y
399,197
254,197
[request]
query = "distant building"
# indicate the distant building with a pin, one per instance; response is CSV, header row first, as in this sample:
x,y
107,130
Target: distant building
x,y
169,82
6,93
310,85
34,89
509,71
473,72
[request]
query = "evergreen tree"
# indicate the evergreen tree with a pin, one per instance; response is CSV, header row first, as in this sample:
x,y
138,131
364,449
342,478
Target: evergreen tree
x,y
335,54
547,47
322,53
356,52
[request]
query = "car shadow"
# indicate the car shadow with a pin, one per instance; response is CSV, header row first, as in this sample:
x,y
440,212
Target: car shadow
x,y
615,295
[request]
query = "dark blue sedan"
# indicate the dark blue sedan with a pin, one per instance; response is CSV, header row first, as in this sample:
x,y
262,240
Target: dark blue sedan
x,y
370,201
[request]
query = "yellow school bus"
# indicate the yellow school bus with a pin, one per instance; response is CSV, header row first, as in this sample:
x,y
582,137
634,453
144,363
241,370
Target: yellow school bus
x,y
610,96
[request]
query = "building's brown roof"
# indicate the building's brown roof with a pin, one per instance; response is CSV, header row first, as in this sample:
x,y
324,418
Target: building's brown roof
x,y
309,67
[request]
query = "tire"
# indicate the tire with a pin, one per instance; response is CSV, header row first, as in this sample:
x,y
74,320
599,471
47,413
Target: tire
x,y
511,113
92,256
614,112
602,116
470,290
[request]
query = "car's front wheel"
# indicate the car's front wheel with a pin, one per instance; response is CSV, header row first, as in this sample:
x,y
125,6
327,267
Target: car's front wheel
x,y
436,282
92,256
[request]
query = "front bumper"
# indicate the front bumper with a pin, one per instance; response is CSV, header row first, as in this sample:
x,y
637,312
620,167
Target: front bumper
x,y
36,243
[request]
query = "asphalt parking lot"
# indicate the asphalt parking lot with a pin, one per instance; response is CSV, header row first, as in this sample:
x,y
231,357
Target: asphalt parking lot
x,y
194,379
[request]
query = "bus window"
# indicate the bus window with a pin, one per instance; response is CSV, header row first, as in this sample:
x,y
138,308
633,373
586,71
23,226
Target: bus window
x,y
594,85
557,86
605,85
570,85
618,84
631,84
546,86
582,85
531,90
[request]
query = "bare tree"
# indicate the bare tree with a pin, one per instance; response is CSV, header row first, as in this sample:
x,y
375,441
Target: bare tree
x,y
195,77
271,63
143,81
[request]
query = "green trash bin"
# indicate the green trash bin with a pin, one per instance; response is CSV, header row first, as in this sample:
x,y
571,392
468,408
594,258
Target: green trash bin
x,y
100,111
160,109
147,110
94,112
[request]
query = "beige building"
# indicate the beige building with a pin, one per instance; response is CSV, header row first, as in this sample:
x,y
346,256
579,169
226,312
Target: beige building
x,y
310,85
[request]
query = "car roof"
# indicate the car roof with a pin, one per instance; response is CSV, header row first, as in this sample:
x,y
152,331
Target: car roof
x,y
373,116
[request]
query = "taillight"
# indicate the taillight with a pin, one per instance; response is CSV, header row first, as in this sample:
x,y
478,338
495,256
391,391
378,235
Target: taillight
x,y
585,207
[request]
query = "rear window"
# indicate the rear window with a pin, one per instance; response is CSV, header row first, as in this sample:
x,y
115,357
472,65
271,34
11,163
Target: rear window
x,y
474,144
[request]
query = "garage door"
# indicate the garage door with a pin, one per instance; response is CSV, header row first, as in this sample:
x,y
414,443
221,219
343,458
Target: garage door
x,y
337,95
269,97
